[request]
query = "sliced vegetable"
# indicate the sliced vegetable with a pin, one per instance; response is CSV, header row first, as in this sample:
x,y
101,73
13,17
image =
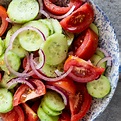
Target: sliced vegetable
x,y
59,91
30,115
13,61
54,101
5,79
38,25
16,47
31,38
99,88
95,59
30,8
6,98
65,84
2,47
82,71
16,114
79,103
55,49
79,20
3,16
25,93
45,117
49,111
86,44
41,76
94,28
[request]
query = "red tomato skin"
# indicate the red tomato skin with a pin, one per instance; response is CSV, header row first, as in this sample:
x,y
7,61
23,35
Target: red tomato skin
x,y
58,10
10,116
24,93
85,105
30,115
4,25
52,8
65,84
16,114
20,112
82,71
79,20
89,45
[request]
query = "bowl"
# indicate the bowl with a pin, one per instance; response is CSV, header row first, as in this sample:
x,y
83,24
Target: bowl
x,y
109,42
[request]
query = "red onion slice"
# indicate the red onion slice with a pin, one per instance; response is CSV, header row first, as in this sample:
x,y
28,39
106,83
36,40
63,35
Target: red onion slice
x,y
58,73
62,16
22,81
39,65
10,47
64,96
8,20
104,60
42,11
106,55
44,77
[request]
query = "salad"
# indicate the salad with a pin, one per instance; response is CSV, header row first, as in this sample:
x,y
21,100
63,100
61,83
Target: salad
x,y
51,66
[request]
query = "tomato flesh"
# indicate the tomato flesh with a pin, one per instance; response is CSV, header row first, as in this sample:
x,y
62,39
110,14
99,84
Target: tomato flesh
x,y
24,93
16,114
79,103
79,20
58,10
3,16
66,84
30,115
82,71
51,6
88,44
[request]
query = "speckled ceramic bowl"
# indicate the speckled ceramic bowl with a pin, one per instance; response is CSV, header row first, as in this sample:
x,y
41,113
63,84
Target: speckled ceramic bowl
x,y
108,41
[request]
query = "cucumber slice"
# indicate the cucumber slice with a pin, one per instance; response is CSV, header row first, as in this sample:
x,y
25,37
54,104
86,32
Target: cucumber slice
x,y
2,46
70,38
99,88
101,54
54,101
56,25
94,28
44,116
95,59
21,52
55,49
30,40
24,10
7,77
39,25
10,33
49,111
6,99
13,60
48,24
49,70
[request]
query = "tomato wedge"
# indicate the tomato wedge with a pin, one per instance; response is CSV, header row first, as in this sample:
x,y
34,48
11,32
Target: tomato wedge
x,y
3,16
30,115
16,114
79,103
51,6
79,20
24,93
66,84
83,71
86,44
